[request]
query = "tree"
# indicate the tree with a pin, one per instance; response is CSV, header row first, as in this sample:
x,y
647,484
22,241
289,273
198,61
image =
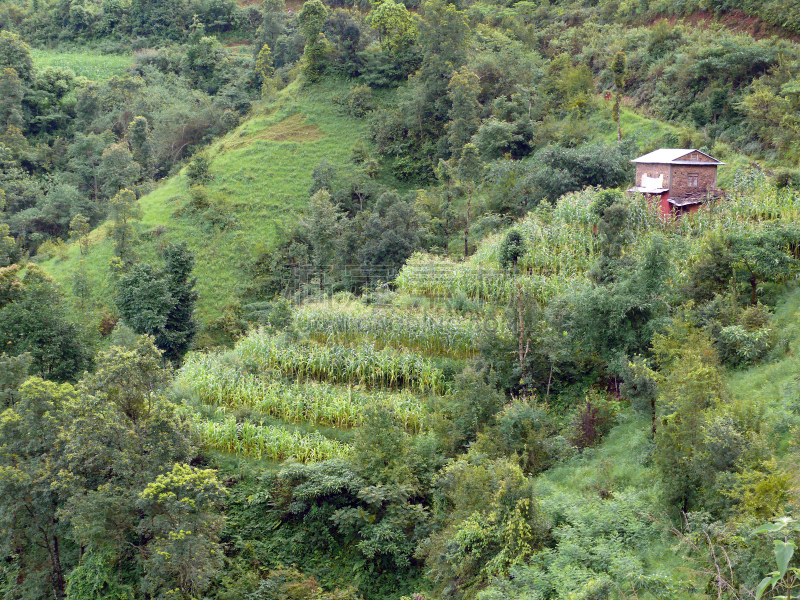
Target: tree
x,y
767,255
82,285
124,208
470,172
11,96
312,20
117,169
16,54
33,319
31,456
323,226
395,26
619,68
265,68
6,245
689,386
463,92
161,302
391,234
444,36
511,249
491,522
85,154
140,138
13,372
181,326
79,230
184,522
122,435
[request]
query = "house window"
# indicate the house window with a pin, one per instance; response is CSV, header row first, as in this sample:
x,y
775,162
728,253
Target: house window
x,y
694,179
694,156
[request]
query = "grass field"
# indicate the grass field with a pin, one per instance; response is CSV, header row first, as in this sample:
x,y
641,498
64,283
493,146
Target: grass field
x,y
261,175
95,66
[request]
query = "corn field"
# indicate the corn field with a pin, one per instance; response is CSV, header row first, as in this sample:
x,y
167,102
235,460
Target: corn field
x,y
267,441
433,277
362,365
215,382
352,322
561,244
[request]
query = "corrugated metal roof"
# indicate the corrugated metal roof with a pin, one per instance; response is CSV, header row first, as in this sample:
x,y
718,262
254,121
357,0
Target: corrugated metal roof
x,y
671,155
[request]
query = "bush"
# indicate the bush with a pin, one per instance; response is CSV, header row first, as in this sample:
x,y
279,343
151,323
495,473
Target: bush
x,y
360,101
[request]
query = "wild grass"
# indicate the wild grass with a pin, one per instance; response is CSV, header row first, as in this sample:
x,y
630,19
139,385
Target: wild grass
x,y
92,65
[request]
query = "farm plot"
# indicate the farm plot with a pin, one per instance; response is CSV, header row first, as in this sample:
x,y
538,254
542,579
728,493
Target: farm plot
x,y
266,441
305,385
353,323
93,65
363,365
218,383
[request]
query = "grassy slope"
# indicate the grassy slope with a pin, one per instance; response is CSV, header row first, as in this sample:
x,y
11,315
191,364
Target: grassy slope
x,y
773,386
261,175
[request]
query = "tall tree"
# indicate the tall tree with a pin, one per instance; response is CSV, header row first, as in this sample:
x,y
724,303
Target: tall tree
x,y
79,230
463,92
31,457
33,319
161,302
312,20
123,210
767,255
140,138
619,67
444,35
181,326
395,26
470,171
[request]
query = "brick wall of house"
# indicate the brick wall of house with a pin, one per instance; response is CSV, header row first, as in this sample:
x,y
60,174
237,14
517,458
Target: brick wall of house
x,y
706,175
652,170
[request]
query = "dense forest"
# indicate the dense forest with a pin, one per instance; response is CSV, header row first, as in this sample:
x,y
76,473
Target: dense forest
x,y
347,300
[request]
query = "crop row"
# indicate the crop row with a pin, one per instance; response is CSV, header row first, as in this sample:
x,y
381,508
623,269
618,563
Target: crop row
x,y
433,277
362,365
267,441
348,323
216,382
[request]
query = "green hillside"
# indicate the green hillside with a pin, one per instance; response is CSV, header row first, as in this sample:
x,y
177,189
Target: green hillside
x,y
348,301
258,187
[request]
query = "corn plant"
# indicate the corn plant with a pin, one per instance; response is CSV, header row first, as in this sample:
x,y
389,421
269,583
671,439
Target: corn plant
x,y
363,365
352,323
266,441
218,383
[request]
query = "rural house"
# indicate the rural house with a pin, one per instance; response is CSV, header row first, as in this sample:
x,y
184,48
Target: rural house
x,y
678,179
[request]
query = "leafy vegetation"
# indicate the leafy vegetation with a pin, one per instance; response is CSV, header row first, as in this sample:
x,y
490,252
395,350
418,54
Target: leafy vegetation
x,y
348,301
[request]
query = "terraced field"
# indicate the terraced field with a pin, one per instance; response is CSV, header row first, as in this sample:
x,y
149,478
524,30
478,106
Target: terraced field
x,y
277,398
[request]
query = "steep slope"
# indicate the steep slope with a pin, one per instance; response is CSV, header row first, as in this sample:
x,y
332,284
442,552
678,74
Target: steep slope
x,y
259,179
